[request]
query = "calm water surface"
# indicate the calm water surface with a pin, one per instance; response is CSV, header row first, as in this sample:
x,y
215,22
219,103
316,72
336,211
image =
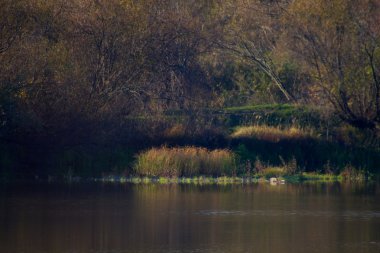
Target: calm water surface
x,y
186,218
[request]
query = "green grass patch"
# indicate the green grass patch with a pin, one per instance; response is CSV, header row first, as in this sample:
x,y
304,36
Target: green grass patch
x,y
313,176
280,111
274,114
286,108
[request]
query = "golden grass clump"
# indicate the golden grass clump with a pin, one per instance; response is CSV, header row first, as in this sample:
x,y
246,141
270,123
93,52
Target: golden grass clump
x,y
273,172
185,161
270,133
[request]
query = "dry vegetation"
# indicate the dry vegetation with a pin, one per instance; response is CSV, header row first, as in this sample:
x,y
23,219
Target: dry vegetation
x,y
272,134
185,161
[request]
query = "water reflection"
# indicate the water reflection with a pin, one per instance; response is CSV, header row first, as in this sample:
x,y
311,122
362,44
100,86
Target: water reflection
x,y
188,218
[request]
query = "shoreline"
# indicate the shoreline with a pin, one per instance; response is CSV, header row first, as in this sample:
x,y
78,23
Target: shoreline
x,y
224,180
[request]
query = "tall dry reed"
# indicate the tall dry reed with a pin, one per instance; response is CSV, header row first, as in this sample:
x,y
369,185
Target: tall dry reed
x,y
185,161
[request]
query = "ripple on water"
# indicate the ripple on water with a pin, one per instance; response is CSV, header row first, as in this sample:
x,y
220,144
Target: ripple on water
x,y
221,213
349,214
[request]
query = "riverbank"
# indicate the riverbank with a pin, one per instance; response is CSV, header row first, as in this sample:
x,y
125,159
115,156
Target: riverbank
x,y
203,180
225,180
268,141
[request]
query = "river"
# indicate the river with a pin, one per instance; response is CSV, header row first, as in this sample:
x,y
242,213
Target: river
x,y
153,218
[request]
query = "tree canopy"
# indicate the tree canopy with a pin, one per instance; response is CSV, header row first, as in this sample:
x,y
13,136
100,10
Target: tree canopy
x,y
82,69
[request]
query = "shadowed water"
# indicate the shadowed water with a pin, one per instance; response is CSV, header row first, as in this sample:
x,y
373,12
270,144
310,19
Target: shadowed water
x,y
188,218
